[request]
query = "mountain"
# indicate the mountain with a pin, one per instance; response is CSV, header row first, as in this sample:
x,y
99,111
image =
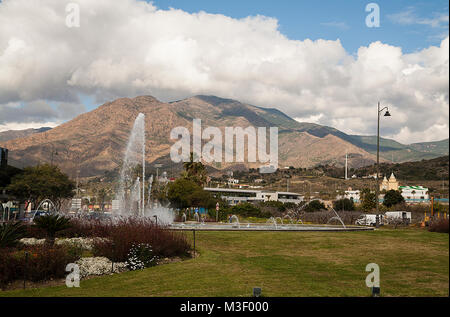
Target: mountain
x,y
396,152
434,169
15,134
94,142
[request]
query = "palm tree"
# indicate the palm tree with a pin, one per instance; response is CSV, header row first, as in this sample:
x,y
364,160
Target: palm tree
x,y
195,171
11,233
52,224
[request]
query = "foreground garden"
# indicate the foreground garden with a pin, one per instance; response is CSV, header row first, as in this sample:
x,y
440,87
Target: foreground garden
x,y
413,262
40,252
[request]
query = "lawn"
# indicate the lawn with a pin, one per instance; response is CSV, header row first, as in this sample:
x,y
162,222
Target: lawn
x,y
413,262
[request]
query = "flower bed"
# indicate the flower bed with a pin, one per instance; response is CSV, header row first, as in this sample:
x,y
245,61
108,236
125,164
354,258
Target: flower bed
x,y
35,260
128,232
99,266
84,243
36,263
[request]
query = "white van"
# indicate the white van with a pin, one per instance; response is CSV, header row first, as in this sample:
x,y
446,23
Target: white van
x,y
369,220
398,216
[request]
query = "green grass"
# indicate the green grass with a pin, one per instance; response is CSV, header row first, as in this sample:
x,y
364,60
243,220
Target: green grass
x,y
413,262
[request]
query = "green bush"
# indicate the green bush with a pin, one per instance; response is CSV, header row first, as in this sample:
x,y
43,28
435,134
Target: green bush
x,y
52,224
315,205
141,256
393,197
246,210
11,233
36,263
344,204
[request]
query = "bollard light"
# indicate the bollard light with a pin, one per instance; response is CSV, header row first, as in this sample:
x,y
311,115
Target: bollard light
x,y
256,291
375,291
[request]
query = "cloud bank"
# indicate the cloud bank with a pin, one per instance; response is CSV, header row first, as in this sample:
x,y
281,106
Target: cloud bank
x,y
129,48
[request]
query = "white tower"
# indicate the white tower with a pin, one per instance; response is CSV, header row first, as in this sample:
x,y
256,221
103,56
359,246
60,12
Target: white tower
x,y
346,165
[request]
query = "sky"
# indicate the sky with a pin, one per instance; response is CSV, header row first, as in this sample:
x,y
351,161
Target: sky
x,y
316,61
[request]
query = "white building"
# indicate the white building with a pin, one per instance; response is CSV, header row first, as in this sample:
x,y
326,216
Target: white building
x,y
233,181
414,193
236,196
354,195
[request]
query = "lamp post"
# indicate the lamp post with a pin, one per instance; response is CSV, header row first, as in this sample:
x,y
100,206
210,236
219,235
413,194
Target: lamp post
x,y
387,114
53,153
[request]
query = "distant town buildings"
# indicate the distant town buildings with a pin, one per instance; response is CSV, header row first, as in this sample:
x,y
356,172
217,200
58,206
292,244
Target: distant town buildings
x,y
352,195
236,196
391,184
411,194
414,193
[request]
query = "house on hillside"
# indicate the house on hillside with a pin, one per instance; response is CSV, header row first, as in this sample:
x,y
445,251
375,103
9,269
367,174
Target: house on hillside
x,y
414,194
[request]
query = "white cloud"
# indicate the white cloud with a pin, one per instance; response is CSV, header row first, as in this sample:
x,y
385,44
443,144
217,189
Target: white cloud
x,y
128,48
409,17
28,125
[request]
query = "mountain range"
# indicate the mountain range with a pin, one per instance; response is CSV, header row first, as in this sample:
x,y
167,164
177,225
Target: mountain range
x,y
94,142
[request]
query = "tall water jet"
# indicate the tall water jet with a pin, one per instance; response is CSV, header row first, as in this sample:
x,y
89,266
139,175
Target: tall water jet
x,y
150,183
130,202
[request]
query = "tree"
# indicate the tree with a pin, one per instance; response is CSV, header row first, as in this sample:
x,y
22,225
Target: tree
x,y
344,204
393,197
102,195
41,182
368,200
52,224
246,210
184,193
195,171
315,205
11,233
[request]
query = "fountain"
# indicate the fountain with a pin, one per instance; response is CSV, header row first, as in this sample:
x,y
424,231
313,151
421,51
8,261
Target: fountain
x,y
336,218
273,221
290,218
130,202
131,192
237,221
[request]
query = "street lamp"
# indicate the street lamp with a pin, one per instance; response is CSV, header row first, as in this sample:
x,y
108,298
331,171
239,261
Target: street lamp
x,y
386,114
55,152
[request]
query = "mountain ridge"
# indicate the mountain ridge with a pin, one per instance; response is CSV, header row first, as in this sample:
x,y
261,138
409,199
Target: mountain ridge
x,y
94,141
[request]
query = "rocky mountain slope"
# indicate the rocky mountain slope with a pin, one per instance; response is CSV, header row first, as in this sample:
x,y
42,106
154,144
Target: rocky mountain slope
x,y
94,142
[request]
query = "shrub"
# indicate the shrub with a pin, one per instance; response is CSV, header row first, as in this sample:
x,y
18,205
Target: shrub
x,y
315,205
322,217
52,224
246,210
344,204
271,209
128,232
393,197
140,257
11,233
36,263
86,228
440,225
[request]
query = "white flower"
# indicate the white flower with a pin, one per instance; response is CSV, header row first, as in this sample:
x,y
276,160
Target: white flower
x,y
99,266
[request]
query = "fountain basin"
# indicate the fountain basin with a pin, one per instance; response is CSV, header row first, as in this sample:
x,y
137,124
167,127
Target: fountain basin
x,y
262,227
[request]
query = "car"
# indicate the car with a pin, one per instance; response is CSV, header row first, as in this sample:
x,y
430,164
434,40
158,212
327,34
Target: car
x,y
31,215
